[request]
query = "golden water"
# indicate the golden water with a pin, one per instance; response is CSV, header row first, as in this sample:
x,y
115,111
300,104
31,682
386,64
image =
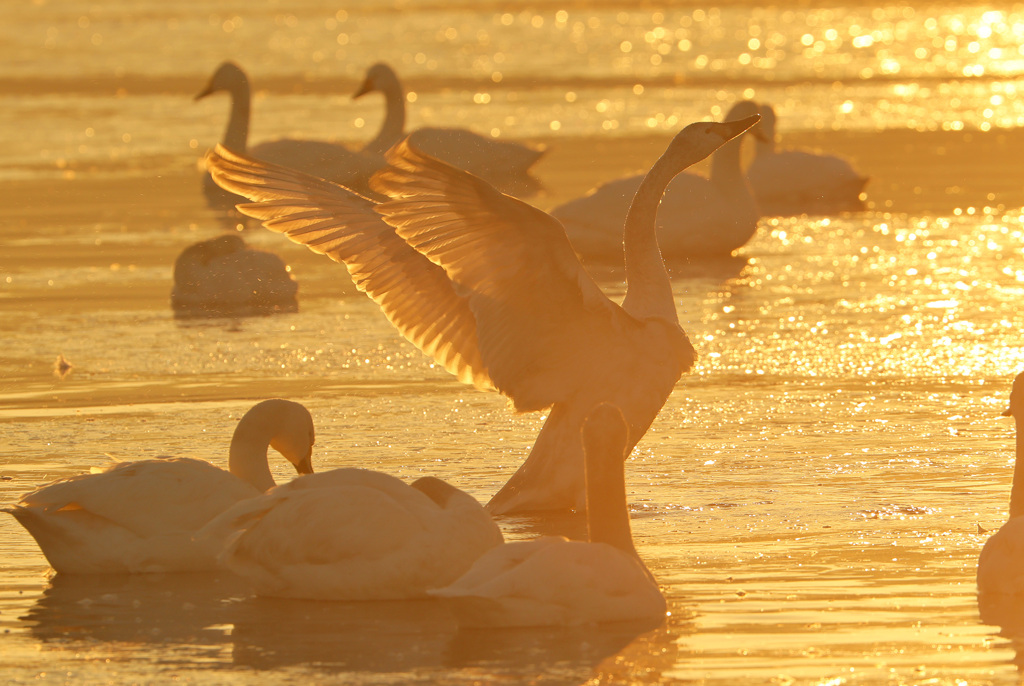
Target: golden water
x,y
810,497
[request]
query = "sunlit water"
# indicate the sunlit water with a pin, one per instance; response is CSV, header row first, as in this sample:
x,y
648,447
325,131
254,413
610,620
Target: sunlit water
x,y
810,497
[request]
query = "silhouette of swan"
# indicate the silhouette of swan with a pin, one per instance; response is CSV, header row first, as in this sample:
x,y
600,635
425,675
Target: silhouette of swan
x,y
552,580
322,158
224,277
491,289
354,534
504,164
787,182
1001,564
141,516
698,217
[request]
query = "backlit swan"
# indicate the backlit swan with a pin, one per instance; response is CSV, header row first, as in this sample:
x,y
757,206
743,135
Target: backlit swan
x,y
698,217
322,158
787,182
141,516
354,534
224,277
1001,565
490,288
504,164
554,581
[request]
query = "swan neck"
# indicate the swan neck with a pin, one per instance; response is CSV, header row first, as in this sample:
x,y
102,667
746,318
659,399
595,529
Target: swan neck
x,y
1017,490
247,458
607,510
648,288
236,136
393,128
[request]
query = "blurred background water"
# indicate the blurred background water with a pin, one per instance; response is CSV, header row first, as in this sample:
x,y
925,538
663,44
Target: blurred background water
x,y
813,496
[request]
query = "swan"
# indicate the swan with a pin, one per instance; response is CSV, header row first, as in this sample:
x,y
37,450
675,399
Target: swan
x,y
504,164
490,287
353,534
322,158
699,217
1001,564
141,516
787,182
554,581
222,276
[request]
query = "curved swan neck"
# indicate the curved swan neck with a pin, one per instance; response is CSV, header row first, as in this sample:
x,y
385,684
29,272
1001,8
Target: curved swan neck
x,y
236,136
648,288
393,128
1017,490
247,458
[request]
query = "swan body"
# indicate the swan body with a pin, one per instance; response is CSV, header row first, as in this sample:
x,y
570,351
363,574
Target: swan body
x,y
788,182
698,216
554,581
491,289
1001,564
504,164
321,158
354,534
223,277
141,516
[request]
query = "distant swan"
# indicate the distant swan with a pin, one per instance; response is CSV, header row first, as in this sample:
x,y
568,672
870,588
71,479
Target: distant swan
x,y
555,581
491,289
1001,565
224,277
505,164
140,516
788,182
698,217
324,159
354,534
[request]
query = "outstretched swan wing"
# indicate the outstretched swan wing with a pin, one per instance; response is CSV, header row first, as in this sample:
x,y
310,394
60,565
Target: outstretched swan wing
x,y
415,294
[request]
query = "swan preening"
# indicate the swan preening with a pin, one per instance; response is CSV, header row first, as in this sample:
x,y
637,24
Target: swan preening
x,y
555,581
699,217
491,289
224,277
504,164
354,534
787,182
1001,564
141,516
325,159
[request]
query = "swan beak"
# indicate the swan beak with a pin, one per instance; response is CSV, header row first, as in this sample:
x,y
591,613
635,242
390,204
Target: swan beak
x,y
206,91
305,465
730,129
1007,413
363,89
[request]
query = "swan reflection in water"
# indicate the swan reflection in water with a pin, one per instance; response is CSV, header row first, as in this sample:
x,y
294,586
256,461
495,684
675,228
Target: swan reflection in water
x,y
188,614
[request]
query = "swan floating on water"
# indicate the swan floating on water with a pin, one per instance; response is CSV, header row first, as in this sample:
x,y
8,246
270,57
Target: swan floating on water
x,y
141,516
554,581
224,277
699,217
490,287
324,159
1001,564
504,164
354,534
788,182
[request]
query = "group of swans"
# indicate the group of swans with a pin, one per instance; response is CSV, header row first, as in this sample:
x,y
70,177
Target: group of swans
x,y
491,288
224,277
349,534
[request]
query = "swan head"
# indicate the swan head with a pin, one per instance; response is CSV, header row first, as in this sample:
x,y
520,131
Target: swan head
x,y
1016,408
380,77
605,432
767,124
227,78
697,141
291,428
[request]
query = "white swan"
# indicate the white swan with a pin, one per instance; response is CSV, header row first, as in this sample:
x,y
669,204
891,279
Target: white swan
x,y
1001,564
788,182
491,289
354,534
505,164
698,217
224,277
555,581
141,516
324,159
